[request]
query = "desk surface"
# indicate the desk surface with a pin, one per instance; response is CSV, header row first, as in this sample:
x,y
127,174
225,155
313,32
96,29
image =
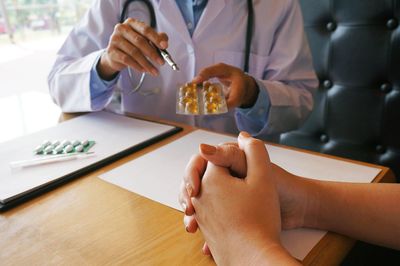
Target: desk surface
x,y
89,221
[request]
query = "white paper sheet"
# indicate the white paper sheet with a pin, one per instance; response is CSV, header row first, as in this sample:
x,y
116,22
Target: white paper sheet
x,y
158,175
112,134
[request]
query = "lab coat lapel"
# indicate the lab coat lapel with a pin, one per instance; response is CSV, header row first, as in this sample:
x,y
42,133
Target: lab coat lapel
x,y
213,8
170,10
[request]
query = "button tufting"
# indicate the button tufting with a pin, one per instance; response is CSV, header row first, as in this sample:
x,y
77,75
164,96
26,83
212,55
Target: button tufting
x,y
331,26
327,84
380,149
392,23
324,138
385,87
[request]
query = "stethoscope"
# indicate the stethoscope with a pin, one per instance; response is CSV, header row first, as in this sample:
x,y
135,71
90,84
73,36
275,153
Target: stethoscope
x,y
153,24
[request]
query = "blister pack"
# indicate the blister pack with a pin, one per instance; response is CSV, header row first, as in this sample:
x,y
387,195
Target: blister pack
x,y
65,146
200,99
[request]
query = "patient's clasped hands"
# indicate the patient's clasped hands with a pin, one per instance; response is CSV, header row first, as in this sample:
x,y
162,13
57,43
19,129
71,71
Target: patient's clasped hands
x,y
231,193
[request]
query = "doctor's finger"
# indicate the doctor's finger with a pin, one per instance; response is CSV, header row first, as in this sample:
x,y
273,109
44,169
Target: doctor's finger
x,y
159,39
139,46
219,70
131,58
119,57
236,93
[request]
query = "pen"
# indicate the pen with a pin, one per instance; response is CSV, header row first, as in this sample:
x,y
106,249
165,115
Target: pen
x,y
167,57
51,159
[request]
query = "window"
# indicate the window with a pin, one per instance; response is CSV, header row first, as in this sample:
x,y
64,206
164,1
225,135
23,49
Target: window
x,y
31,32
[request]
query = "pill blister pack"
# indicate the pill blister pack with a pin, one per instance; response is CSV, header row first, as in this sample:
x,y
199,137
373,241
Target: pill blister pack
x,y
200,99
65,146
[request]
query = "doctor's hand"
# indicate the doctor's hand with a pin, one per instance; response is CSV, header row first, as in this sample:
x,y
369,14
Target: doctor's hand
x,y
242,89
240,217
129,46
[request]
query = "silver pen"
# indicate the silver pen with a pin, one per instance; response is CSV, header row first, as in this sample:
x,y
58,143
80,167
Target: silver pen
x,y
167,57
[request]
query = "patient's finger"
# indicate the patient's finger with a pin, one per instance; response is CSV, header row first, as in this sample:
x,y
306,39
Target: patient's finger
x,y
226,155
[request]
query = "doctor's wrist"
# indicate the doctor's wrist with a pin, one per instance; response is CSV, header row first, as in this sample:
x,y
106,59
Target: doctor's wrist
x,y
104,70
251,93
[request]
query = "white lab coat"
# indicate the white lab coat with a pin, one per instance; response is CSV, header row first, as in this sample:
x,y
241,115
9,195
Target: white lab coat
x,y
280,59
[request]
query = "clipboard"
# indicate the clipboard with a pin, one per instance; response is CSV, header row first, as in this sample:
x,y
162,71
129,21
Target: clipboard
x,y
116,136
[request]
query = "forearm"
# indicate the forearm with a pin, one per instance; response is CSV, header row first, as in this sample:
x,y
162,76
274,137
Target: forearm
x,y
368,212
69,82
256,252
276,255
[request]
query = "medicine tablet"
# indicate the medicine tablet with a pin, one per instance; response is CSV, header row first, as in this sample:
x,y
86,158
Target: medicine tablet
x,y
85,143
39,149
65,143
76,143
55,143
46,143
79,148
69,148
48,149
58,149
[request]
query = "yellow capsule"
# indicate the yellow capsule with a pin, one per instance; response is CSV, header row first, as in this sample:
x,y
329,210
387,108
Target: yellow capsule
x,y
206,85
213,89
191,94
191,86
211,107
209,95
215,99
182,91
185,100
192,108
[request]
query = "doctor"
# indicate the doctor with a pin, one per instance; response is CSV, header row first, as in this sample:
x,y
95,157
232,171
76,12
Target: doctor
x,y
207,39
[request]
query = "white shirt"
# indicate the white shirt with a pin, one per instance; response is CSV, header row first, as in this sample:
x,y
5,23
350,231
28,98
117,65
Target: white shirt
x,y
280,60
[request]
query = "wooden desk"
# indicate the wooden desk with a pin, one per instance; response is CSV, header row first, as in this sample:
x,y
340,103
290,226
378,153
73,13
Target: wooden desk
x,y
91,222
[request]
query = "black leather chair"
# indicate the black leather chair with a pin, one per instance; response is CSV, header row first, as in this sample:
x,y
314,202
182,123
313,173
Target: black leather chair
x,y
356,52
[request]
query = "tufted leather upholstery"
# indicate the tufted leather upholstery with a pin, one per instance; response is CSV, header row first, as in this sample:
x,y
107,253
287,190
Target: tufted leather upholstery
x,y
356,51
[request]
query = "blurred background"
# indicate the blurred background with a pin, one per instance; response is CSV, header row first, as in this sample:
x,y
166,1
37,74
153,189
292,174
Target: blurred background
x,y
31,32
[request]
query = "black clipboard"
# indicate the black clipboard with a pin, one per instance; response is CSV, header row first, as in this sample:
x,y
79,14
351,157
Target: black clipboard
x,y
41,189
